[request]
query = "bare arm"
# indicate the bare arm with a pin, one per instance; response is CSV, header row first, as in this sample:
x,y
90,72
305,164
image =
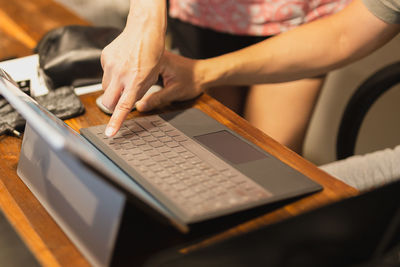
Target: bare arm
x,y
306,51
131,61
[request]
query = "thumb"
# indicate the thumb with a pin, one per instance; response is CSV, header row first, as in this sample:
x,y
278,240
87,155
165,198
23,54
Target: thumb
x,y
156,99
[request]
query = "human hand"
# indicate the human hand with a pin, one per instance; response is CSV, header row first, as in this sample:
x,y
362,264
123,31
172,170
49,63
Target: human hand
x,y
182,81
131,62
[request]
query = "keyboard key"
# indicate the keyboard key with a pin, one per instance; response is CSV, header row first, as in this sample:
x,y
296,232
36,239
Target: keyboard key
x,y
165,139
134,127
156,144
144,134
170,154
150,138
187,155
138,142
180,138
147,125
167,128
135,151
172,144
179,149
157,168
166,164
158,123
178,160
159,158
146,147
172,133
152,152
142,157
158,134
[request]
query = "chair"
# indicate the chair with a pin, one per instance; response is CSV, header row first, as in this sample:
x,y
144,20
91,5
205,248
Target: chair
x,y
379,128
360,102
372,169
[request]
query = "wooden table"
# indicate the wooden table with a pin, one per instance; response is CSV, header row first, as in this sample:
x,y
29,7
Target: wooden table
x,y
22,24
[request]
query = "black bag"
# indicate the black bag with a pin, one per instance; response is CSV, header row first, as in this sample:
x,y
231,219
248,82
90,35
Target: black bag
x,y
70,55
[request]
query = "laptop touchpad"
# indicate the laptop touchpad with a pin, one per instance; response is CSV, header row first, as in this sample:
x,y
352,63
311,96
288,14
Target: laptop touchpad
x,y
230,147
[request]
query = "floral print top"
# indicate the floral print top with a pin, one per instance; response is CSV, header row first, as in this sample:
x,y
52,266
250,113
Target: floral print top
x,y
252,17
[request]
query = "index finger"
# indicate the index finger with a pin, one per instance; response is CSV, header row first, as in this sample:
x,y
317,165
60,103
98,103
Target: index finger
x,y
123,108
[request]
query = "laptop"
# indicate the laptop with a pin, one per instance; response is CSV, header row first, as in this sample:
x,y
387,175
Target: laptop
x,y
184,165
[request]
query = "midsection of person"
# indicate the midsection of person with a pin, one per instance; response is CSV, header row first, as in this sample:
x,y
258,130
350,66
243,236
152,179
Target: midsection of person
x,y
252,17
205,29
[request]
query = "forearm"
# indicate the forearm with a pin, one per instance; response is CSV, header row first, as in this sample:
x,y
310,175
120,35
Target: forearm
x,y
274,60
306,51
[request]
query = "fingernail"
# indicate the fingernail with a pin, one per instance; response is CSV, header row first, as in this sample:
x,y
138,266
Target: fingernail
x,y
109,131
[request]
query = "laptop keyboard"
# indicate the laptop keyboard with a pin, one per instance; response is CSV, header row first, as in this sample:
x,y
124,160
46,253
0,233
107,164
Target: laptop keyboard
x,y
190,176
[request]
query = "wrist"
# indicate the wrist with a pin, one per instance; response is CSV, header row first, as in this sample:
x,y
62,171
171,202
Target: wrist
x,y
212,72
203,76
147,13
